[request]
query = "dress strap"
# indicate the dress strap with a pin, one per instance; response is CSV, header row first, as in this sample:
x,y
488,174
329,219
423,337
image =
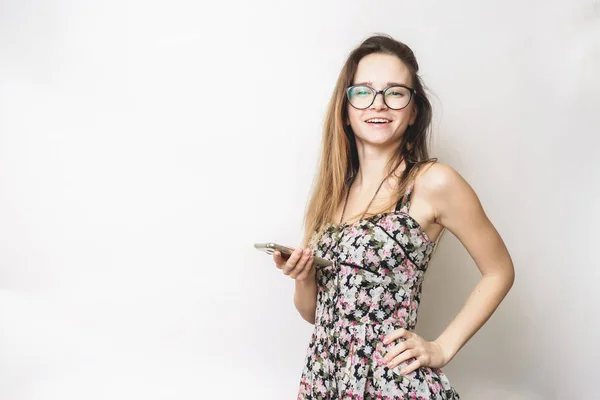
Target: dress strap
x,y
403,204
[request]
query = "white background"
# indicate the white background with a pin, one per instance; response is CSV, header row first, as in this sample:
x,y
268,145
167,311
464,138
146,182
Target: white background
x,y
145,146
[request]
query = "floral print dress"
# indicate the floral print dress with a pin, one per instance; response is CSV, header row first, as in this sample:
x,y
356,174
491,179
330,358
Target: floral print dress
x,y
372,288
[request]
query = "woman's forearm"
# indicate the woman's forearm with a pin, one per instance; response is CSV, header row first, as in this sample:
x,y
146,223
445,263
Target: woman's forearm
x,y
305,299
478,308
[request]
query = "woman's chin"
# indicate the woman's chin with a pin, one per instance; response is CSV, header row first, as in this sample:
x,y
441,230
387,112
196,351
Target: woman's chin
x,y
383,141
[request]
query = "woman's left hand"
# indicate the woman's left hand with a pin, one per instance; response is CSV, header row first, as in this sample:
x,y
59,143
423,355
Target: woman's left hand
x,y
426,354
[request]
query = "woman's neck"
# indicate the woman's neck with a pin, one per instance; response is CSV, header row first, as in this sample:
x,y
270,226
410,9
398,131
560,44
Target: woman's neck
x,y
373,168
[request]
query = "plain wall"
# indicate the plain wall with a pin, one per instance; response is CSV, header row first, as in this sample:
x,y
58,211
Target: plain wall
x,y
145,146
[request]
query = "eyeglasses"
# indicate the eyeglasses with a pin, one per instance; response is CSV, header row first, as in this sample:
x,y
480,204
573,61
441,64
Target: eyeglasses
x,y
395,97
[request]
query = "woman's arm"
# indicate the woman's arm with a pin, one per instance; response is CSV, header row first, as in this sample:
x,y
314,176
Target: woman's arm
x,y
300,267
305,299
459,210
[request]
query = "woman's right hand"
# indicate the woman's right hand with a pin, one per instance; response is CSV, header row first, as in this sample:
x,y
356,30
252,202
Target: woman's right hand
x,y
299,265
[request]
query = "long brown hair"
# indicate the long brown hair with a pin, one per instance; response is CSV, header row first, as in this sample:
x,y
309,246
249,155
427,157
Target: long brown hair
x,y
339,157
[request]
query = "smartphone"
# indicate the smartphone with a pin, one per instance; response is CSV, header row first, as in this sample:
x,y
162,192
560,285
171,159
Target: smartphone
x,y
269,248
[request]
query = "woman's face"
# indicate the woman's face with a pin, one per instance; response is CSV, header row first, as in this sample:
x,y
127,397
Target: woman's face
x,y
379,125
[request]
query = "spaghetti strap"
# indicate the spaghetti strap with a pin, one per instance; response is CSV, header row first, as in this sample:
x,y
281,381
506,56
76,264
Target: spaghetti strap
x,y
403,204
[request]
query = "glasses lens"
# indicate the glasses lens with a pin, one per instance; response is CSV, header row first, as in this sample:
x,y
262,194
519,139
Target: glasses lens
x,y
360,96
397,97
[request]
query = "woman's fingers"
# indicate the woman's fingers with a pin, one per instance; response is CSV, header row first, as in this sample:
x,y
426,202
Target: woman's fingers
x,y
396,351
402,357
292,261
413,366
298,265
304,266
396,334
300,257
279,260
413,351
405,350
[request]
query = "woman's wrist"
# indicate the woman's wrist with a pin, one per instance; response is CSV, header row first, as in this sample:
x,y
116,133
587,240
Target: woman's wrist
x,y
448,351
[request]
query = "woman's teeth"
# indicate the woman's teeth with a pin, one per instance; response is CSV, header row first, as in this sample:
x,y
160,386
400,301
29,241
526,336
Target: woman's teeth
x,y
377,121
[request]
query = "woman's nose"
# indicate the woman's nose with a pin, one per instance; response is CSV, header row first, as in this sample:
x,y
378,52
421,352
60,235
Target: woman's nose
x,y
378,103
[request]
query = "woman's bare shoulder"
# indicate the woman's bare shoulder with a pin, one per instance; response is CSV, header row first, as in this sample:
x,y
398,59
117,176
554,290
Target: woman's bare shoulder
x,y
436,177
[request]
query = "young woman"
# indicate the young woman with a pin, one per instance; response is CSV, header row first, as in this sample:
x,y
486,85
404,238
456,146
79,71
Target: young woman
x,y
378,207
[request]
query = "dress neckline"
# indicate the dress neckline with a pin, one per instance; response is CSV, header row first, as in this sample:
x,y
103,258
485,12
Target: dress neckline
x,y
403,213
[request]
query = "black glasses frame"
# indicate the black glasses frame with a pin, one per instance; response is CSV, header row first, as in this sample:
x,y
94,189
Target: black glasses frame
x,y
413,93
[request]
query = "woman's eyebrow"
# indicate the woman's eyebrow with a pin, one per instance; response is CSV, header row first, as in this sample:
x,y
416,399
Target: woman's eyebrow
x,y
371,83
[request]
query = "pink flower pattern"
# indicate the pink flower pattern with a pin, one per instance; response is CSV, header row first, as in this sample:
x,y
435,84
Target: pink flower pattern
x,y
372,288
